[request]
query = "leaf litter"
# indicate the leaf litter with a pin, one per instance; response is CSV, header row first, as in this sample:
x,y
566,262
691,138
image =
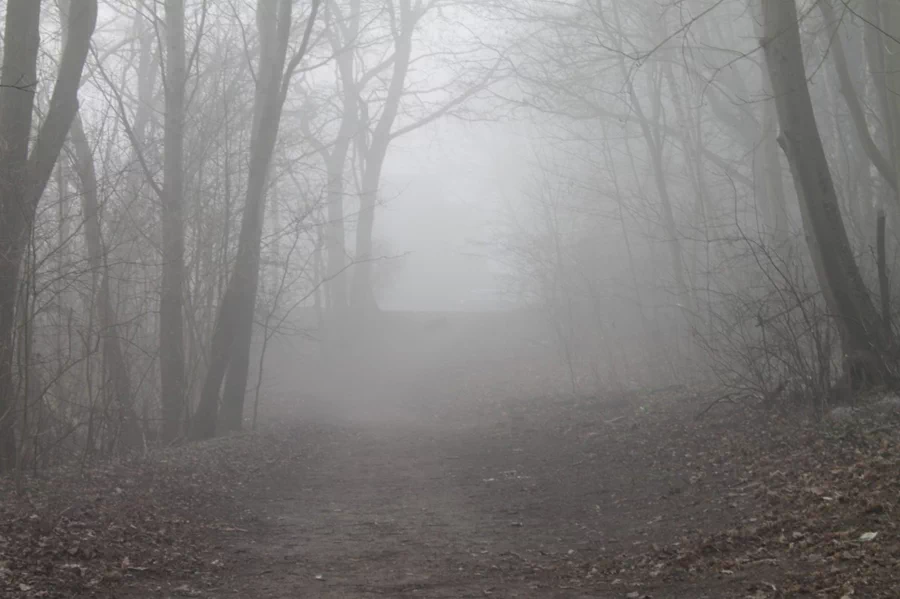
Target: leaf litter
x,y
89,532
738,504
811,506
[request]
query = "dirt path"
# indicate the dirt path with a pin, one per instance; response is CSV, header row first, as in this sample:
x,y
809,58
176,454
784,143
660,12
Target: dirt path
x,y
454,467
476,477
450,504
606,498
376,512
631,498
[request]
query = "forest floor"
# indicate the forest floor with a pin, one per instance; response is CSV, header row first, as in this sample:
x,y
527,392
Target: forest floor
x,y
627,497
456,483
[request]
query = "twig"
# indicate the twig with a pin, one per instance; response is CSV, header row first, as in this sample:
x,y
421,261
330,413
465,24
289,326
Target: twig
x,y
716,402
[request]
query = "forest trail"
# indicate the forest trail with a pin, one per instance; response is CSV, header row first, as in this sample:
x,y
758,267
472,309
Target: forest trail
x,y
616,497
457,468
452,465
613,497
383,511
458,502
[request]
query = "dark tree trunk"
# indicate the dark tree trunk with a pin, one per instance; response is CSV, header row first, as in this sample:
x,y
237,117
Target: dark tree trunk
x,y
23,174
884,286
862,334
362,293
230,349
171,310
113,356
362,296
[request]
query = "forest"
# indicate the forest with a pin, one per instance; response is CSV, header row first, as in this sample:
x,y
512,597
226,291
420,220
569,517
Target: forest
x,y
699,227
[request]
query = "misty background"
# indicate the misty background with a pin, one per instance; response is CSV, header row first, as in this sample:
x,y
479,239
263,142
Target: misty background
x,y
449,298
209,203
446,191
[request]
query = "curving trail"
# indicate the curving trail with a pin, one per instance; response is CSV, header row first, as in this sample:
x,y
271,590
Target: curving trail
x,y
460,502
429,472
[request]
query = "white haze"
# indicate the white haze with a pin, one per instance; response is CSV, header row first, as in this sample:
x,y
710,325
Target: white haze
x,y
447,189
597,179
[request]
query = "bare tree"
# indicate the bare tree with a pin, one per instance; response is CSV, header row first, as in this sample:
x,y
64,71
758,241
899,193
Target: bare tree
x,y
352,121
230,345
342,33
115,366
171,310
24,170
864,340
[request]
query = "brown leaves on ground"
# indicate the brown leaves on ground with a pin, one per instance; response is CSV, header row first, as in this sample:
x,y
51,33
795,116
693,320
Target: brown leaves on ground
x,y
814,505
87,533
737,504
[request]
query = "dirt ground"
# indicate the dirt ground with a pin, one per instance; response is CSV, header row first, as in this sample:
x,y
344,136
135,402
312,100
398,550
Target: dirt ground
x,y
463,503
477,478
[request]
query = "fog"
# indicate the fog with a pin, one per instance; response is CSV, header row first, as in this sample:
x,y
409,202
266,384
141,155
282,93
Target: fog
x,y
446,191
457,265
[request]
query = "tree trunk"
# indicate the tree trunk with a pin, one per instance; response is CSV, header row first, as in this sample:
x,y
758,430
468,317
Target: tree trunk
x,y
171,312
884,285
24,175
336,160
233,330
767,155
362,296
883,44
203,425
862,336
770,178
17,78
854,104
336,246
655,149
273,19
113,356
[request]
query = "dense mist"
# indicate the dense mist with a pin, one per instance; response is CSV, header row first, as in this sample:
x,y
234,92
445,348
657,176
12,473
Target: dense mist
x,y
573,267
